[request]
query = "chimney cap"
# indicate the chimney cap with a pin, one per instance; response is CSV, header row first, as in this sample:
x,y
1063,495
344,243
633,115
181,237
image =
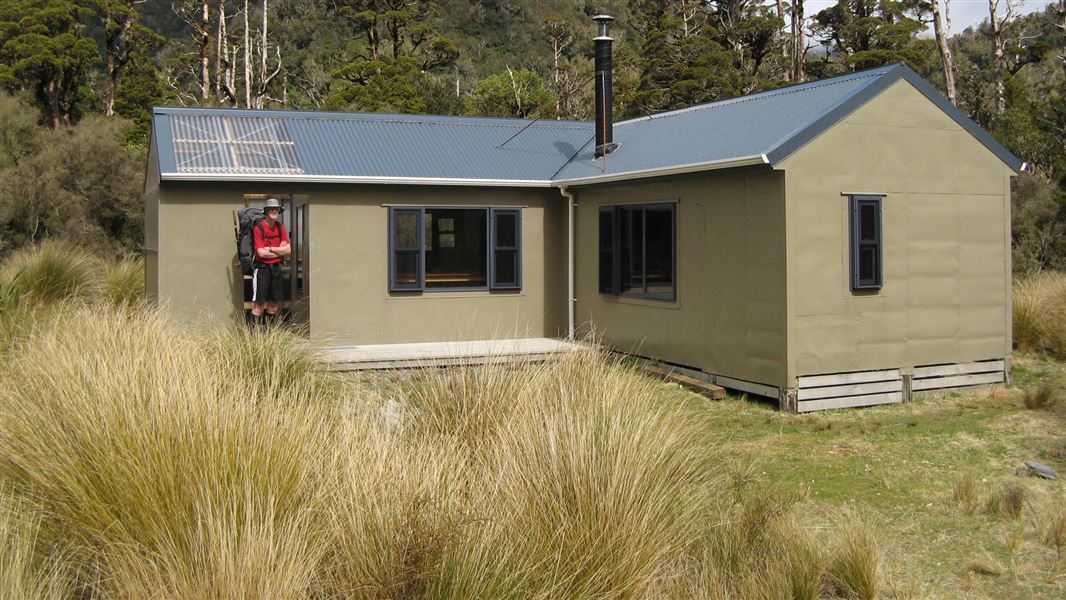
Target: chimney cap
x,y
603,18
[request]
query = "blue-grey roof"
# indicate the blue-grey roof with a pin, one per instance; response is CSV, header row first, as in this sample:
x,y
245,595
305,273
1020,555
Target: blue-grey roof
x,y
762,128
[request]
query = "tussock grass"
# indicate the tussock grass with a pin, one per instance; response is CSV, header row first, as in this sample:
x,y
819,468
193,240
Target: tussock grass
x,y
173,477
1054,535
24,573
964,493
122,283
854,567
1040,313
985,565
1042,395
54,271
1006,501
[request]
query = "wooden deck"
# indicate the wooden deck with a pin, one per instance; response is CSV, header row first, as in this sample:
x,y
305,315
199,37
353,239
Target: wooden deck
x,y
442,354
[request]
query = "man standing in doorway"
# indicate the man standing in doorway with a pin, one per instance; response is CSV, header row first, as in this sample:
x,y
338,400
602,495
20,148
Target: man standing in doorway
x,y
270,240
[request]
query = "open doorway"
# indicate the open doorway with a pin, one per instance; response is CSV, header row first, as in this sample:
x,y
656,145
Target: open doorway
x,y
295,307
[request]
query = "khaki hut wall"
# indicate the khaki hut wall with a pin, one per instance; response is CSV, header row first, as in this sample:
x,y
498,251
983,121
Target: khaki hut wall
x,y
946,242
347,255
729,317
151,225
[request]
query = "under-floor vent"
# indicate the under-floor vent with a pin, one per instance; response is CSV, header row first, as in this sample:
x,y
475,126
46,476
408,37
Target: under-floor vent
x,y
843,390
934,377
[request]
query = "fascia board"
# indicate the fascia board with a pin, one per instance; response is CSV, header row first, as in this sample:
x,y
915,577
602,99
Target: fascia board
x,y
793,142
743,161
964,121
283,178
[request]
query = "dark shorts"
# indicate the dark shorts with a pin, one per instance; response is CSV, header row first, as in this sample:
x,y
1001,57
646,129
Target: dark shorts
x,y
266,283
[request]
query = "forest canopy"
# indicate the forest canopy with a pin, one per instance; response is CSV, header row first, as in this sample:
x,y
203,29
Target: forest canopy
x,y
79,78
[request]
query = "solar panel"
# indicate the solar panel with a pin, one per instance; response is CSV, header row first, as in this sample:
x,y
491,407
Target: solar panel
x,y
225,144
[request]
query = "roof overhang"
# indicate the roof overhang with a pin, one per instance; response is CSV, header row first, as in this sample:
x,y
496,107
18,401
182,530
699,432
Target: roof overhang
x,y
728,163
292,178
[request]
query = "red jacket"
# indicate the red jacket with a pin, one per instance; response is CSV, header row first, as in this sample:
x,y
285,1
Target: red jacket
x,y
265,236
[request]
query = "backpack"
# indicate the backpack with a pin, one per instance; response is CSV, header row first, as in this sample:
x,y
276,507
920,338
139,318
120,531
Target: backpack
x,y
247,218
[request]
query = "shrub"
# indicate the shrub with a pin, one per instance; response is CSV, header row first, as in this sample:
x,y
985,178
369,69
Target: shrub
x,y
1040,313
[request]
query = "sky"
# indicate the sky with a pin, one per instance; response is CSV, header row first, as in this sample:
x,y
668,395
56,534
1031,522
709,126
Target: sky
x,y
964,13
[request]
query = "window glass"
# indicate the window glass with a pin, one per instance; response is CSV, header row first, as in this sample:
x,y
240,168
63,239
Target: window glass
x,y
456,258
406,229
607,251
659,251
505,230
866,246
506,267
406,268
638,250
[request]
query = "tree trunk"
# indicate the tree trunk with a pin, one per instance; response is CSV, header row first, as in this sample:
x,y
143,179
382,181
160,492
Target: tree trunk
x,y
1062,27
798,49
205,51
786,48
247,61
946,61
999,44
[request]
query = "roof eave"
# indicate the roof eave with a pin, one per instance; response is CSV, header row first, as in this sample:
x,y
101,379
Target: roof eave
x,y
794,142
728,163
293,178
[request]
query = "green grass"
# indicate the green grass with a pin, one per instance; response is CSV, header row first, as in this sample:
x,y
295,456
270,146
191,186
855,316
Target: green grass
x,y
900,469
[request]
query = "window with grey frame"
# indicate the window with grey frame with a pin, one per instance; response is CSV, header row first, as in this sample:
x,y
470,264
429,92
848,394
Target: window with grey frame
x,y
867,264
454,248
638,250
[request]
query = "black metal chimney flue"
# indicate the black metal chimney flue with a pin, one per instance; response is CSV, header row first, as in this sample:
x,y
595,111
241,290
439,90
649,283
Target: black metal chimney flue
x,y
604,75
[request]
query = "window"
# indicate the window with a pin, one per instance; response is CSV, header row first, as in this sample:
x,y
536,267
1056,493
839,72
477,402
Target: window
x,y
866,248
442,248
638,250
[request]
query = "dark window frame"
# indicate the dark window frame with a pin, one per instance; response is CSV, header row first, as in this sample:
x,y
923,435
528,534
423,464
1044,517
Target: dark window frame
x,y
856,243
611,252
491,248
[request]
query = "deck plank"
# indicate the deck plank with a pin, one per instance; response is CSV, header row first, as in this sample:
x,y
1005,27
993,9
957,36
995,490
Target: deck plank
x,y
385,356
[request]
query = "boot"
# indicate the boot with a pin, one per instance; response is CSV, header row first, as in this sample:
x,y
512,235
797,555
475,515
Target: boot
x,y
250,319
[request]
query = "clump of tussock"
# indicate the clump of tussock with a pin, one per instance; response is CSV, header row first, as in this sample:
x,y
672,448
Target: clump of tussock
x,y
1054,535
1039,313
757,534
149,454
964,493
984,565
54,271
1006,501
24,572
1043,395
854,565
122,283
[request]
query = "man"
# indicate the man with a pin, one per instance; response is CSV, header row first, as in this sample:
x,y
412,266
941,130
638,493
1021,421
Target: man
x,y
270,240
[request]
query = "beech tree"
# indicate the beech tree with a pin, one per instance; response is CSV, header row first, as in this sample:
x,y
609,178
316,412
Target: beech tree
x,y
43,51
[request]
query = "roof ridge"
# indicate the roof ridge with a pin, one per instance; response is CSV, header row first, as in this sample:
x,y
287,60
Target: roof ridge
x,y
293,114
781,91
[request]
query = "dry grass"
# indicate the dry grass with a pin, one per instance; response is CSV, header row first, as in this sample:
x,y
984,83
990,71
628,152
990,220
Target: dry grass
x,y
1055,531
1040,314
985,565
24,572
122,283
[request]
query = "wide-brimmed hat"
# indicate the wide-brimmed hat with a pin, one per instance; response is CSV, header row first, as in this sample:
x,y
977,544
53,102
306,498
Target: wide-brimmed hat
x,y
273,203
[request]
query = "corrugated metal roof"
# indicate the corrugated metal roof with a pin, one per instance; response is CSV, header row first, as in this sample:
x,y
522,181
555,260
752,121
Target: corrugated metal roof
x,y
761,128
353,145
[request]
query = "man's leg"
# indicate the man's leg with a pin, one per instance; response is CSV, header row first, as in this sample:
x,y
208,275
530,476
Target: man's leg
x,y
275,293
258,291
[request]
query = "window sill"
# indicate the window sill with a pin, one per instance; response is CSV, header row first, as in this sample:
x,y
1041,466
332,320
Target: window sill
x,y
638,301
471,293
